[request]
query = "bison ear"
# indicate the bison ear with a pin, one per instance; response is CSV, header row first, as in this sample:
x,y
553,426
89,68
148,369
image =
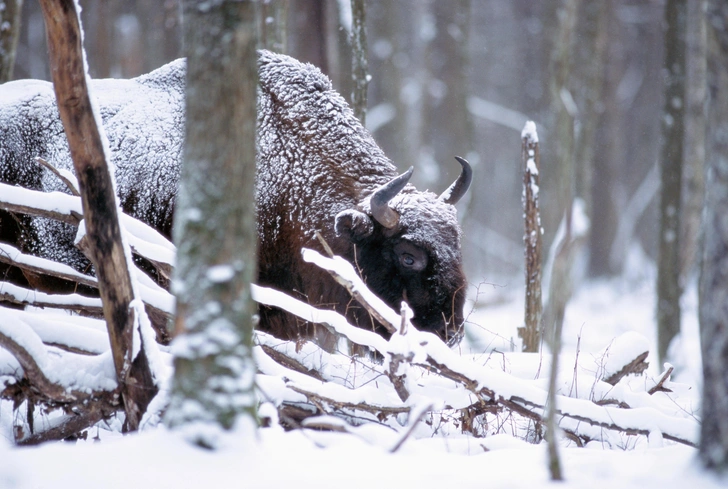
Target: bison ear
x,y
353,225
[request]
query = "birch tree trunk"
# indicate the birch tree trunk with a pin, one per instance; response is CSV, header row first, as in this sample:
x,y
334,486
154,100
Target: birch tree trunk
x,y
714,274
215,225
669,288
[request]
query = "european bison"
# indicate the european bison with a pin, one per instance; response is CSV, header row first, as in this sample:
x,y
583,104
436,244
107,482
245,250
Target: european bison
x,y
318,170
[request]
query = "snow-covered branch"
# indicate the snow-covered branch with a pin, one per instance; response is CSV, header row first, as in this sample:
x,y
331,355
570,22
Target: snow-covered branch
x,y
144,240
524,397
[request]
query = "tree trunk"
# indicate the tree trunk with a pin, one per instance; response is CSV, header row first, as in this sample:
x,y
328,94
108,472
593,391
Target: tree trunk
x,y
563,104
669,288
447,124
272,25
694,171
359,60
9,32
103,234
714,274
532,239
592,52
215,225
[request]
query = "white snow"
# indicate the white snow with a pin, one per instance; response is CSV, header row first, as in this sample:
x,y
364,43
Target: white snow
x,y
529,132
606,324
608,321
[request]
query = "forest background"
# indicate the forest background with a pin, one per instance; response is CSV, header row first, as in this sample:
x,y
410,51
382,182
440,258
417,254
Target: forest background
x,y
462,78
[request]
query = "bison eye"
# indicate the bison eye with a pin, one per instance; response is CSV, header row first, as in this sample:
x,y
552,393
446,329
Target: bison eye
x,y
410,256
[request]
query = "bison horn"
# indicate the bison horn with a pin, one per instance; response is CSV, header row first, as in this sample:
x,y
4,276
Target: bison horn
x,y
379,202
456,191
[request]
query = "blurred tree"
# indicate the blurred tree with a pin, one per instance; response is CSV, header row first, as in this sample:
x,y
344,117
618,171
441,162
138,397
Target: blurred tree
x,y
9,31
693,171
448,126
714,274
159,31
563,104
668,286
359,66
273,25
215,229
589,62
608,148
389,60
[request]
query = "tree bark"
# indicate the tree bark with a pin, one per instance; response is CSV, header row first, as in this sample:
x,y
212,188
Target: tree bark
x,y
714,275
9,32
215,224
669,288
99,204
532,239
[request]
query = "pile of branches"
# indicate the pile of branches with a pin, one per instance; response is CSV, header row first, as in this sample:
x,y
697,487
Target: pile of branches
x,y
412,383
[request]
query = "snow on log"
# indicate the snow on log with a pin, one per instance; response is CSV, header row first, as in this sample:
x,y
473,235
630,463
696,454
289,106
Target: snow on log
x,y
525,397
62,376
144,240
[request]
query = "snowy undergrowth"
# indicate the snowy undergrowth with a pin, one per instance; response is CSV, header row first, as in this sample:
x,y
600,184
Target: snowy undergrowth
x,y
602,317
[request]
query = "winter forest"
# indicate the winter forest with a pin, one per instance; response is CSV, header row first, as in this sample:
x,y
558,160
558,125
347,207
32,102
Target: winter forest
x,y
416,243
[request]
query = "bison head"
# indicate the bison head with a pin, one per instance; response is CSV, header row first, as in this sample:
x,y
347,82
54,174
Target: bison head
x,y
407,246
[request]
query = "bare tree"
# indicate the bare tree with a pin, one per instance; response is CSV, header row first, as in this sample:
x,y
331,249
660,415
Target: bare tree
x,y
9,32
669,288
532,239
273,24
215,224
103,233
693,172
592,28
714,274
359,60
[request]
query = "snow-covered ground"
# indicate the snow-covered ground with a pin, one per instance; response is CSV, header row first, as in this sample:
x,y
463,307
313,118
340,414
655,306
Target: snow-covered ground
x,y
599,312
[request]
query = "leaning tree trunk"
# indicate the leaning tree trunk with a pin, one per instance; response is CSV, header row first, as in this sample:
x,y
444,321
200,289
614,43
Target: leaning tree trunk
x,y
9,32
714,274
669,288
215,225
103,234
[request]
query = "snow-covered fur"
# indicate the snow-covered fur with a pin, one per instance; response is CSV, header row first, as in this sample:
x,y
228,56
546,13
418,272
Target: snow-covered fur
x,y
317,168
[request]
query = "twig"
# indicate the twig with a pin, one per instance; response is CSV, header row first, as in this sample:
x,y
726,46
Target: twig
x,y
290,363
411,428
660,386
71,186
71,425
37,378
379,411
323,242
636,366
